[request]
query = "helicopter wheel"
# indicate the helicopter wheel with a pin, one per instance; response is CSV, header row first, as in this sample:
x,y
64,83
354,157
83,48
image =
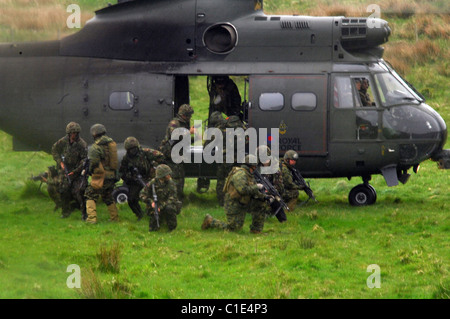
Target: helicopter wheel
x,y
362,195
120,195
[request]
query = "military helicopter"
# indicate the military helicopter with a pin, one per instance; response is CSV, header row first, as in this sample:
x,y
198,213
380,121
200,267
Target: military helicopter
x,y
130,66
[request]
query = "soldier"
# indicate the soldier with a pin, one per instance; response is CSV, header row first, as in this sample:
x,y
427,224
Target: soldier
x,y
361,87
365,96
182,120
224,168
224,95
168,205
103,165
291,189
276,179
242,196
138,163
69,154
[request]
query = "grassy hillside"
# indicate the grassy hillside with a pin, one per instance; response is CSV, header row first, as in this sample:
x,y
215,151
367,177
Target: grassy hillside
x,y
322,252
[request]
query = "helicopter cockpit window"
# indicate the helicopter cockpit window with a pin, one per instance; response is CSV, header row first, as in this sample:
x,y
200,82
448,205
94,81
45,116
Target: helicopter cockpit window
x,y
364,90
121,101
393,92
304,101
271,101
342,95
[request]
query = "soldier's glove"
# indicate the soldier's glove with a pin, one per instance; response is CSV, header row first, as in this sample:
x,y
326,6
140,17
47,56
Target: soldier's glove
x,y
260,186
270,198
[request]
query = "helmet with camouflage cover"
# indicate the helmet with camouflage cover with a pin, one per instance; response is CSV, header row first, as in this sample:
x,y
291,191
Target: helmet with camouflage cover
x,y
234,121
186,110
98,129
215,119
131,142
162,171
73,127
263,149
291,155
251,160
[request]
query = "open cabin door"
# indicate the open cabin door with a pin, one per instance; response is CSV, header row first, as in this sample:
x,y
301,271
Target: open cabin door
x,y
294,104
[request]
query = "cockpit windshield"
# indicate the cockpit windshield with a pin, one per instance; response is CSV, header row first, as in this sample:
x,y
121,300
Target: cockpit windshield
x,y
394,91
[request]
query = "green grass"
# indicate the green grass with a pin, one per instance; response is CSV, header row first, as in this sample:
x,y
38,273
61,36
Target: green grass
x,y
323,250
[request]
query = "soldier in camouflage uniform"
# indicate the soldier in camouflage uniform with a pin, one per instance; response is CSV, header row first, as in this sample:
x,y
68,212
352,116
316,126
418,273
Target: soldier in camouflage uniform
x,y
182,120
167,200
103,165
276,179
223,169
138,161
242,196
291,189
224,95
74,151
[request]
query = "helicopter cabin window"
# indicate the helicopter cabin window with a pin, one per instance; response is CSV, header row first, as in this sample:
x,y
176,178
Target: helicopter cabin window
x,y
304,101
271,101
121,101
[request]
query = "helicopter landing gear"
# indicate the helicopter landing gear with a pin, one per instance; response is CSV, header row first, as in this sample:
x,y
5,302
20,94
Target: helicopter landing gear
x,y
362,195
120,194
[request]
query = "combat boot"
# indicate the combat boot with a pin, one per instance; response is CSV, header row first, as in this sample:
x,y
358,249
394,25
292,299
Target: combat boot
x,y
91,210
113,213
207,222
292,204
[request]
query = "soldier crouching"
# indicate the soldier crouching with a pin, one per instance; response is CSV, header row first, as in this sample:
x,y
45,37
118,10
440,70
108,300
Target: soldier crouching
x,y
165,199
242,196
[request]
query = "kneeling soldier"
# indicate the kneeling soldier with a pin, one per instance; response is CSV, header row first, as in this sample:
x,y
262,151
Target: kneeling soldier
x,y
164,199
242,196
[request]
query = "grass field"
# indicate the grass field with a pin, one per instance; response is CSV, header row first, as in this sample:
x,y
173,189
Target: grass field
x,y
323,251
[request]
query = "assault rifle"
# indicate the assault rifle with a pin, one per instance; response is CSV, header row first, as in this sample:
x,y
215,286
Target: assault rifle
x,y
66,172
137,176
155,201
300,181
42,177
271,190
85,173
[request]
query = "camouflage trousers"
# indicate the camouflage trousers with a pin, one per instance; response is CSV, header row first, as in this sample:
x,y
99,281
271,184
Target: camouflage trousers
x,y
133,198
236,212
105,192
166,215
71,195
178,177
291,198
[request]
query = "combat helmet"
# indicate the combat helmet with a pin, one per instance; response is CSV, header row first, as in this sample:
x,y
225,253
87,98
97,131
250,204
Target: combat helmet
x,y
162,171
251,160
263,149
291,155
234,121
73,127
98,129
131,142
215,119
186,110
